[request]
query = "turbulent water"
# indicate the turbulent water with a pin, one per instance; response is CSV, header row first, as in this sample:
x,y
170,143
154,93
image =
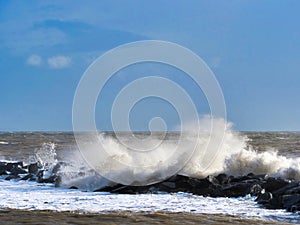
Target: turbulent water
x,y
277,154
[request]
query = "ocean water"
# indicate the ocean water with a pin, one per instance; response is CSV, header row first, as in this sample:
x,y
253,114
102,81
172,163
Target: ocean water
x,y
275,153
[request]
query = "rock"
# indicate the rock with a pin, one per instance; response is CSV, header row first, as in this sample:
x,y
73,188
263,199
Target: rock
x,y
185,184
33,168
108,188
17,170
51,179
167,186
28,177
293,190
294,208
264,198
255,190
290,200
73,187
11,165
240,179
285,188
58,166
274,203
11,177
40,174
237,190
273,184
131,190
58,181
223,178
3,171
48,178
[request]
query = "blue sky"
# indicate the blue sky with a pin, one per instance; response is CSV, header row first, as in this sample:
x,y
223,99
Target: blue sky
x,y
253,47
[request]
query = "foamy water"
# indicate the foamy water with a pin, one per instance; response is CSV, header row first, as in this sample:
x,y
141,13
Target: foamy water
x,y
239,154
32,196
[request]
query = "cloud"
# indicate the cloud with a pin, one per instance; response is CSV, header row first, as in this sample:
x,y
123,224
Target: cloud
x,y
34,60
59,62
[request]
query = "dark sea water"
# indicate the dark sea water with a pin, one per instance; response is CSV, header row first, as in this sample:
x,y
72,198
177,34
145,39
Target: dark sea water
x,y
276,153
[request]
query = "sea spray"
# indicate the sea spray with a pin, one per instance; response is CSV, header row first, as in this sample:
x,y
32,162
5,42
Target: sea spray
x,y
234,156
251,161
46,155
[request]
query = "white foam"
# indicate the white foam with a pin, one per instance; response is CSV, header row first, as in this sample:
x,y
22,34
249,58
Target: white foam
x,y
250,161
32,196
208,152
233,156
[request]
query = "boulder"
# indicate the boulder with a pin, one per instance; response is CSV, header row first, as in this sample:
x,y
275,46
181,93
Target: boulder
x,y
290,200
12,177
28,177
293,190
223,178
12,165
294,208
17,171
237,189
285,188
274,183
256,190
33,168
264,198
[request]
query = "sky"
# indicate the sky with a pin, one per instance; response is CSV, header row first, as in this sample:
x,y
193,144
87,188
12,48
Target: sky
x,y
253,48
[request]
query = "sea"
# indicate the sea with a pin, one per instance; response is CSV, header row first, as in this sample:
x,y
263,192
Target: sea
x,y
274,153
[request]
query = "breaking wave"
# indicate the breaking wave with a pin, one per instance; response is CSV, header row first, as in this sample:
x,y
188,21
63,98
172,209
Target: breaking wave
x,y
234,157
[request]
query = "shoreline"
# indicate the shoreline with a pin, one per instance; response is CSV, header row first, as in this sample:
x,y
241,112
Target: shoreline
x,y
13,216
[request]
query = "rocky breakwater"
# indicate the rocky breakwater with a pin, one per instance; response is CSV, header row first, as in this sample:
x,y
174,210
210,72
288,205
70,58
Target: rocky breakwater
x,y
270,192
30,172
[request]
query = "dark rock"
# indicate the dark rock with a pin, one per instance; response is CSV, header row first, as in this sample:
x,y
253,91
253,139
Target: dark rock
x,y
12,165
255,190
293,190
290,200
17,170
56,168
264,198
294,208
73,187
168,185
237,189
131,190
12,177
116,188
58,181
28,177
185,184
109,188
274,203
285,188
50,179
213,180
260,177
40,174
223,178
273,184
240,179
33,168
3,171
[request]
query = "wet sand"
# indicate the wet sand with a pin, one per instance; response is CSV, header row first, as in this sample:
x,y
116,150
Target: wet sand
x,y
10,216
